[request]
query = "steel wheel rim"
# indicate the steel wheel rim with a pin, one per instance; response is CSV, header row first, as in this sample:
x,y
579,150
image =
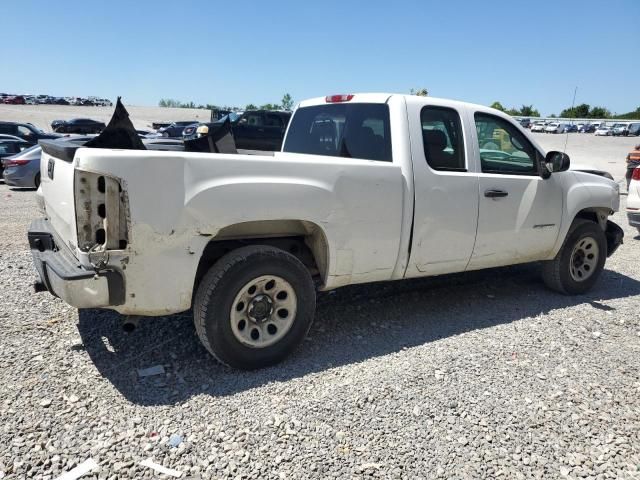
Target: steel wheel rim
x,y
584,259
263,311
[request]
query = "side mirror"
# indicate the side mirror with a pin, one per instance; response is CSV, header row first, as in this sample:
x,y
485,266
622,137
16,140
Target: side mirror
x,y
557,161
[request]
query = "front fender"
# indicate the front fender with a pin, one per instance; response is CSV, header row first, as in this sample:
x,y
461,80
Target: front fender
x,y
585,192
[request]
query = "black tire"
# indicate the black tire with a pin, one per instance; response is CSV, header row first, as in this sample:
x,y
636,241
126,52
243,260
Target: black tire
x,y
218,289
36,181
557,273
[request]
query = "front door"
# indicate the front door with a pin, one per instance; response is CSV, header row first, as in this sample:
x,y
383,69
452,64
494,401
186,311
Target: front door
x,y
519,213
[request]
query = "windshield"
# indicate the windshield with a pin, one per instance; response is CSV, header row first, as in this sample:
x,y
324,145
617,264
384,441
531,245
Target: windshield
x,y
233,117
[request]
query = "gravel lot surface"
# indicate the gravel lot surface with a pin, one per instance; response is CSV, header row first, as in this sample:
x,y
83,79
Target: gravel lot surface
x,y
485,375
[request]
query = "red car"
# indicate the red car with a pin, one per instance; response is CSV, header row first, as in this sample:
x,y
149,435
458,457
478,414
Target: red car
x,y
17,100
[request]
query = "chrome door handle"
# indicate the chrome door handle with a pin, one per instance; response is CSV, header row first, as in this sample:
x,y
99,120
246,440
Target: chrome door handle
x,y
495,193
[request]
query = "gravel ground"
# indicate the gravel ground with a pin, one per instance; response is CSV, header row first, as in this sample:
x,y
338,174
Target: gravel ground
x,y
485,375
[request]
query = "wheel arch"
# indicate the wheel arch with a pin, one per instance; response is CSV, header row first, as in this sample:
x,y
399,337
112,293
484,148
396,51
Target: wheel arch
x,y
597,215
304,239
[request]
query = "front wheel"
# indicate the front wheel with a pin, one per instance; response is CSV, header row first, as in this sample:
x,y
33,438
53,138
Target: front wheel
x,y
254,307
579,262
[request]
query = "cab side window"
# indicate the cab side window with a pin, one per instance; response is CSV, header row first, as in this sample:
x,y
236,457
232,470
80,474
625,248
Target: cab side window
x,y
254,119
272,120
504,148
24,131
442,139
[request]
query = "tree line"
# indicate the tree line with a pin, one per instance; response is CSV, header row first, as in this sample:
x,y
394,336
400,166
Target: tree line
x,y
584,110
285,104
524,111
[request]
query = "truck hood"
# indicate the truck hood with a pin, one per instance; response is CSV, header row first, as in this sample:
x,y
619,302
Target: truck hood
x,y
580,167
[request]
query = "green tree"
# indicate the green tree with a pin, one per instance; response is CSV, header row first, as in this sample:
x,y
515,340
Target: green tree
x,y
498,106
599,112
579,111
250,106
635,115
287,102
269,106
420,92
169,102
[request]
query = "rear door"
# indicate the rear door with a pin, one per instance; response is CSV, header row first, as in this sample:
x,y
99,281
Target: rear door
x,y
446,190
519,212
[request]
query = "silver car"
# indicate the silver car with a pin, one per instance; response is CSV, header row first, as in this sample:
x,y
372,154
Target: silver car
x,y
23,169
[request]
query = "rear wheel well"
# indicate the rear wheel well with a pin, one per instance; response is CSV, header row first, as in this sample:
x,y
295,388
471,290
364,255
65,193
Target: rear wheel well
x,y
303,240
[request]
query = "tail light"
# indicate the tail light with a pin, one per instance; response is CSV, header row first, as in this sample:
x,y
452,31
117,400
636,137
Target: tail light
x,y
338,98
14,163
636,174
101,213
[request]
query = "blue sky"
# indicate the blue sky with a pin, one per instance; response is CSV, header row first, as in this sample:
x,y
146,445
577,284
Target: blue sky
x,y
239,52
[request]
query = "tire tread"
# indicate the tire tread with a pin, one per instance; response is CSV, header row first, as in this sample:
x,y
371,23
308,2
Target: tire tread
x,y
213,277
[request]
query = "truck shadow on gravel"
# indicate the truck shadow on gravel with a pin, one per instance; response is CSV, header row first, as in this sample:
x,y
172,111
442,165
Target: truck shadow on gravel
x,y
352,324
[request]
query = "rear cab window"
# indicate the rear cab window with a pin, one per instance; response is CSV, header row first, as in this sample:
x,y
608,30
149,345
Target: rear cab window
x,y
442,138
349,130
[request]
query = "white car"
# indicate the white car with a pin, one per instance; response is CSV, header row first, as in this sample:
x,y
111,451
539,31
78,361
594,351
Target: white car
x,y
367,188
554,127
604,131
633,200
538,127
620,129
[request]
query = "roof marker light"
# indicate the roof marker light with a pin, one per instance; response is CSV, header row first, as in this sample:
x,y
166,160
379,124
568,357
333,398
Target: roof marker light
x,y
338,98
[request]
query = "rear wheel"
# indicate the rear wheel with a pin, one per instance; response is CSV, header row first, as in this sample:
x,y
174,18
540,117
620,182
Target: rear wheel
x,y
254,307
36,181
580,261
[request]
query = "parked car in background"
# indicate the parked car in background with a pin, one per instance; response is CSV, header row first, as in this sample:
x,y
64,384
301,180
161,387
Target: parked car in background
x,y
17,100
253,130
525,122
554,127
77,125
538,127
176,128
620,129
569,128
23,169
26,131
11,147
634,128
587,128
158,125
603,131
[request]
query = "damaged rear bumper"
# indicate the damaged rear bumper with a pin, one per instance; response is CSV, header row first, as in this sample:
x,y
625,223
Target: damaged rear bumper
x,y
62,275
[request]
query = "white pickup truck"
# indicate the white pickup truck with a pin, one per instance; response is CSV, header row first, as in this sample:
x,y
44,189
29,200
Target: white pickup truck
x,y
367,188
